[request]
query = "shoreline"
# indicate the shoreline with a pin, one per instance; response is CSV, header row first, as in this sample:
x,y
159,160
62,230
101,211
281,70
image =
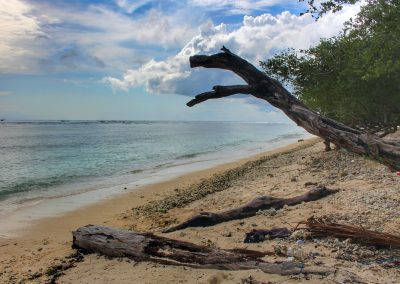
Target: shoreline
x,y
14,223
368,194
41,243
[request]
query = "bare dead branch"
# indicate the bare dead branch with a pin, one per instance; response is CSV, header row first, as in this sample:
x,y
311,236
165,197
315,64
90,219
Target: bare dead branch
x,y
220,92
206,219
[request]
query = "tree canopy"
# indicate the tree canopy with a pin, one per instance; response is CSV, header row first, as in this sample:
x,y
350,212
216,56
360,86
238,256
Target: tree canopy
x,y
353,77
318,9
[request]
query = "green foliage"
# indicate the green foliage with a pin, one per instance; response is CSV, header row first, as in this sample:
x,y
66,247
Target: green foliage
x,y
318,9
354,77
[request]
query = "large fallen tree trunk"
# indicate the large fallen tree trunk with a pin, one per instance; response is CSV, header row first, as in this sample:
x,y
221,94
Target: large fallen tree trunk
x,y
262,86
206,219
148,247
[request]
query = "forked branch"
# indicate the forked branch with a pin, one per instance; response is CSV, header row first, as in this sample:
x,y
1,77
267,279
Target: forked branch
x,y
220,92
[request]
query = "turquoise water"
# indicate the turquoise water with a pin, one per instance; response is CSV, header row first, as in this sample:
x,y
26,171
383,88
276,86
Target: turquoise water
x,y
50,159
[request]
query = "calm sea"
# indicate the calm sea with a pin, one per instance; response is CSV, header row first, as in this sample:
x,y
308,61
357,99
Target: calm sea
x,y
46,160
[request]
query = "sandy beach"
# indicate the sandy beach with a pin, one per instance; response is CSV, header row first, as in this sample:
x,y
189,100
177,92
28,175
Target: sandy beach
x,y
368,196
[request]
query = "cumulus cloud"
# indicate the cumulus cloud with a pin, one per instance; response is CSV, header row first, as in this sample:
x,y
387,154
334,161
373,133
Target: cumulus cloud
x,y
256,39
33,33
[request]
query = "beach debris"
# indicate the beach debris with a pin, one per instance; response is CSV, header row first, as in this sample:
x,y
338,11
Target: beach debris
x,y
310,183
324,227
257,236
297,252
227,234
280,250
300,235
250,280
398,174
269,212
114,242
205,219
56,270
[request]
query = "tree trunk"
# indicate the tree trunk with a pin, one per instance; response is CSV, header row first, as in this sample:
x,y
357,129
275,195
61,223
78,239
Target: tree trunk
x,y
148,247
263,87
327,146
206,219
389,130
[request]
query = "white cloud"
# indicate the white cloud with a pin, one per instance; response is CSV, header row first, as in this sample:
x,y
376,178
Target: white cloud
x,y
131,5
34,34
100,24
238,6
256,39
21,36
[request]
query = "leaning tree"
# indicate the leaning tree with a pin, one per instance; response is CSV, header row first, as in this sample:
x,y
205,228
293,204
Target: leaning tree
x,y
261,86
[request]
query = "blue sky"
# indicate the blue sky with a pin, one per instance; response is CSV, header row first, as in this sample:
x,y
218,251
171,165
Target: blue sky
x,y
125,59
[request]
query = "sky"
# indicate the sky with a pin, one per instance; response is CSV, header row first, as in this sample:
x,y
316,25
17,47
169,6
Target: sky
x,y
129,60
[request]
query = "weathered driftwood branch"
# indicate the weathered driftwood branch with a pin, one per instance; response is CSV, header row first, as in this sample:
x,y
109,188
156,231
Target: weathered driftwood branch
x,y
257,236
206,219
270,90
148,247
220,92
323,227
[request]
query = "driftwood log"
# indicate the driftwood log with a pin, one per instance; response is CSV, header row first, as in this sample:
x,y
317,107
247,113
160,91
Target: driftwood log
x,y
266,88
148,247
258,236
205,219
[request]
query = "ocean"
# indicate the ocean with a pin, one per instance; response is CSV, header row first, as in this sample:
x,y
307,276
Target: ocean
x,y
52,159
